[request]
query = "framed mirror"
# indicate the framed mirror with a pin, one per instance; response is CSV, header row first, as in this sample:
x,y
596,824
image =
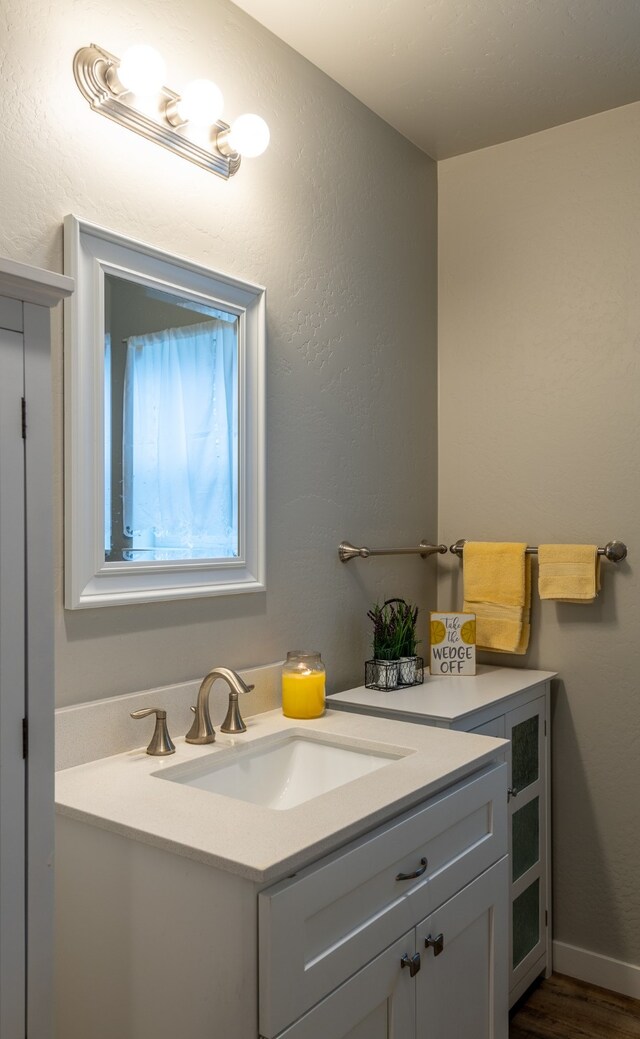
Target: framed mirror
x,y
164,425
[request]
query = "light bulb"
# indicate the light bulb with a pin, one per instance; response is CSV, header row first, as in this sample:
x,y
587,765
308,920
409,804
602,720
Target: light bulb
x,y
201,103
249,135
142,70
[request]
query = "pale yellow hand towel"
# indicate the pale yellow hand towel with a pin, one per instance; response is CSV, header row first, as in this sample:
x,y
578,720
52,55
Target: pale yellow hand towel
x,y
568,573
497,588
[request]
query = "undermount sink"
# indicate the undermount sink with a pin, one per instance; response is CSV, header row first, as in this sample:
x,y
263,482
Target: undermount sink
x,y
282,771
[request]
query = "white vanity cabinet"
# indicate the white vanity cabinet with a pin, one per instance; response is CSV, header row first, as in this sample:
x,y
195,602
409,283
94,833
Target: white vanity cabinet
x,y
413,988
513,704
402,914
152,943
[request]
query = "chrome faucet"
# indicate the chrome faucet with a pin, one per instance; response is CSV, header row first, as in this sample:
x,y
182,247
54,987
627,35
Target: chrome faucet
x,y
202,730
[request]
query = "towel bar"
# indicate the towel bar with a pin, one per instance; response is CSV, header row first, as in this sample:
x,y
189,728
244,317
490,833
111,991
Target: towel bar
x,y
347,551
615,551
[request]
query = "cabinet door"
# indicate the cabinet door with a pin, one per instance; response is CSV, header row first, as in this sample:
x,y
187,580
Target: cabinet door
x,y
376,1003
462,987
525,728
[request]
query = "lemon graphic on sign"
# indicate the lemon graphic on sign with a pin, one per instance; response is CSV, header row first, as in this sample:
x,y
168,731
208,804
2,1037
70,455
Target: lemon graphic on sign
x,y
468,632
438,632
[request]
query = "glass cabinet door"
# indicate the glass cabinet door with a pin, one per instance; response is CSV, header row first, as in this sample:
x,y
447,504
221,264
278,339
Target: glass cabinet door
x,y
525,728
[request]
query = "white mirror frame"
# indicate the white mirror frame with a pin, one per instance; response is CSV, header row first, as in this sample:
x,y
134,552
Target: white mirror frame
x,y
89,251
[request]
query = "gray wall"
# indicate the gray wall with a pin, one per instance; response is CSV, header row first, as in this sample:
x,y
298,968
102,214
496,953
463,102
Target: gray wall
x,y
539,318
338,220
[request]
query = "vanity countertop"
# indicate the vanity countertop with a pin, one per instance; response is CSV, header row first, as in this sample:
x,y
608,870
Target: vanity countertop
x,y
444,699
121,794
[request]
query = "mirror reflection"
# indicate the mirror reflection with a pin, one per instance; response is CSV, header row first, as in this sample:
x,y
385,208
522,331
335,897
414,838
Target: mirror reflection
x,y
171,426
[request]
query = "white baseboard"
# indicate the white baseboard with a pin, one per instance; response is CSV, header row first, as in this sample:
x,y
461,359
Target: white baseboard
x,y
596,969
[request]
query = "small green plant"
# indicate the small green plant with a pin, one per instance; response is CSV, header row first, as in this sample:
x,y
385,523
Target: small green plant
x,y
408,616
394,629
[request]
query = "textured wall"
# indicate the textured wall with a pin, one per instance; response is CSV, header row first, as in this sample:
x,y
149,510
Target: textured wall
x,y
338,221
539,337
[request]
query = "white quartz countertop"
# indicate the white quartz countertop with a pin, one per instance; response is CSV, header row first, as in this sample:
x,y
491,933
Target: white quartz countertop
x,y
444,698
120,794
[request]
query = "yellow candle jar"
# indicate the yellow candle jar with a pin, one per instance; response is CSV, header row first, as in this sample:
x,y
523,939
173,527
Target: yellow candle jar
x,y
303,685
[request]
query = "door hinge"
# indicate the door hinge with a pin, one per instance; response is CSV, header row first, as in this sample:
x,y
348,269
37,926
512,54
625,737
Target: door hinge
x,y
25,737
24,418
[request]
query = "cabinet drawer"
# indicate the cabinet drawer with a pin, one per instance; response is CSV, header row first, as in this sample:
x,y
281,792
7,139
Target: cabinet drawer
x,y
495,727
319,927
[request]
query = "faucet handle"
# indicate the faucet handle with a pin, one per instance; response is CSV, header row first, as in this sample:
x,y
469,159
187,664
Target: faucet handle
x,y
161,742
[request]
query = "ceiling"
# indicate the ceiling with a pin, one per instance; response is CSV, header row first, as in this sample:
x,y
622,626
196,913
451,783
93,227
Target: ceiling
x,y
456,75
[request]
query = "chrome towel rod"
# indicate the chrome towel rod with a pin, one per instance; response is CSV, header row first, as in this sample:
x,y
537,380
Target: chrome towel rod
x,y
615,551
347,551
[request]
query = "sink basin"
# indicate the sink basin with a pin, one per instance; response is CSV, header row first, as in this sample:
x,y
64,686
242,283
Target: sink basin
x,y
282,771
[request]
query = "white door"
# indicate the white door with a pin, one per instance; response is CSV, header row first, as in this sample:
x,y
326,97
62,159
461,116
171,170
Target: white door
x,y
12,679
462,987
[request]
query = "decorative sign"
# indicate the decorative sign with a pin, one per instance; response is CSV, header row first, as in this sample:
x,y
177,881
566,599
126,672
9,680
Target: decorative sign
x,y
453,643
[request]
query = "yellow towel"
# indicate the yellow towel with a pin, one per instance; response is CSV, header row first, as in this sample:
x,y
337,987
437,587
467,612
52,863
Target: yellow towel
x,y
568,573
497,588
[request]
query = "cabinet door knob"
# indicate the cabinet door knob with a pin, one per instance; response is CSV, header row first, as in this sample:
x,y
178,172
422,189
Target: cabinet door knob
x,y
511,792
416,873
412,962
437,944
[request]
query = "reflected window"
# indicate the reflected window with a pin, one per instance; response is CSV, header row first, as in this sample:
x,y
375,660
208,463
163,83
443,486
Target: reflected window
x,y
107,446
172,447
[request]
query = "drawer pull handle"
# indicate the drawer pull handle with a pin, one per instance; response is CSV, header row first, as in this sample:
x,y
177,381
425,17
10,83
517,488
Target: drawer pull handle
x,y
412,962
437,944
416,873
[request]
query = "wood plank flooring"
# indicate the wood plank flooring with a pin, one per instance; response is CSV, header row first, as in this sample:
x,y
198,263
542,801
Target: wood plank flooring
x,y
563,1008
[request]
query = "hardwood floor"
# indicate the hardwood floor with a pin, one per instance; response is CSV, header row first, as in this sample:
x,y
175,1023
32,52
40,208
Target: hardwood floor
x,y
563,1008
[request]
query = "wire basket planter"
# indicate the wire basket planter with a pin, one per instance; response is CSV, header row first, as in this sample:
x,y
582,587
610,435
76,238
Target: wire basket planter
x,y
393,674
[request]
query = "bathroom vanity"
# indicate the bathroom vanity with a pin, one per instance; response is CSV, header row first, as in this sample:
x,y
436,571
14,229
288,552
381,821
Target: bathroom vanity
x,y
366,910
512,703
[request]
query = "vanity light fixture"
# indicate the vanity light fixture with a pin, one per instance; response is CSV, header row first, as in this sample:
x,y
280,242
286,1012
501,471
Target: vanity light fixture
x,y
130,91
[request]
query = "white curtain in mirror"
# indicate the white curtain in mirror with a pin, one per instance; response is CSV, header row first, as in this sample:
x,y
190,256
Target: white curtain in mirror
x,y
107,443
180,443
